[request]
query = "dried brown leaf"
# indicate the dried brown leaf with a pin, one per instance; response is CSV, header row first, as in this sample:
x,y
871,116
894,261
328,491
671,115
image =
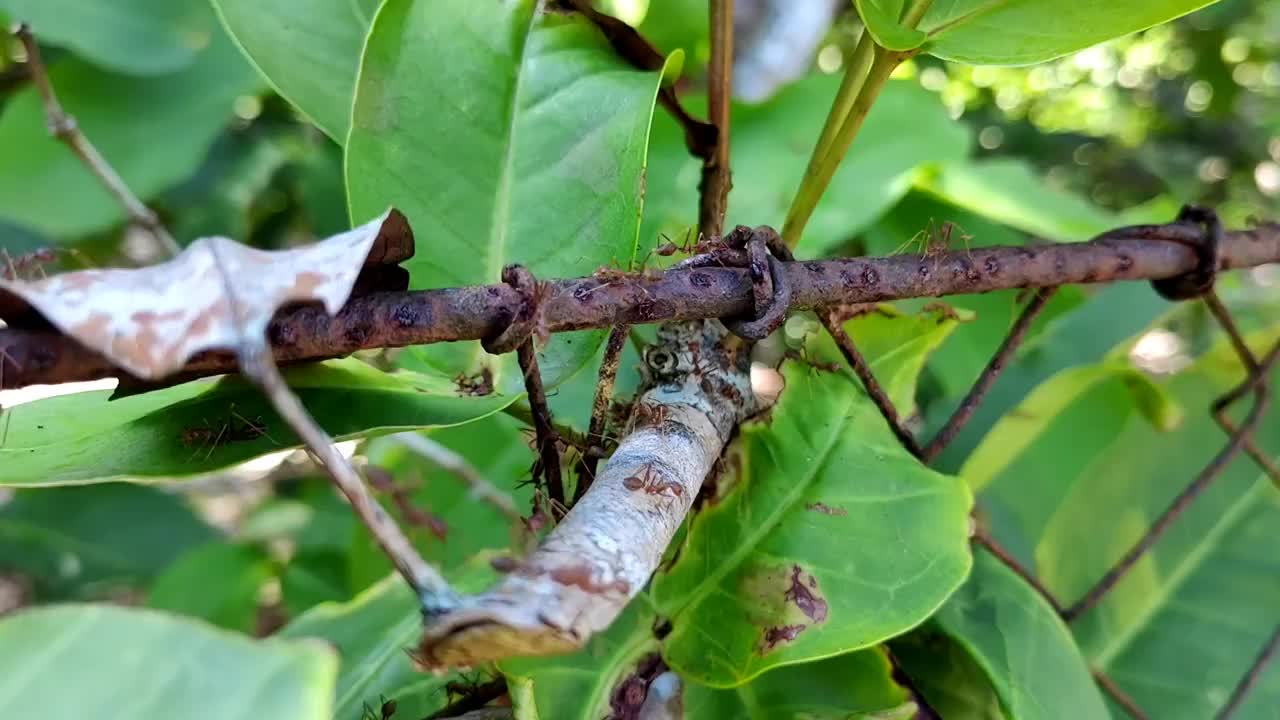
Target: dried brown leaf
x,y
216,295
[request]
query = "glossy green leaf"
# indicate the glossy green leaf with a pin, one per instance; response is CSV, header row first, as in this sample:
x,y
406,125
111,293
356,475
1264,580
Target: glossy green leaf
x,y
495,447
882,20
219,583
85,542
1018,639
372,634
1204,591
1025,424
907,128
579,686
135,37
507,134
308,50
1021,32
208,424
75,661
946,675
1011,192
831,537
856,686
154,140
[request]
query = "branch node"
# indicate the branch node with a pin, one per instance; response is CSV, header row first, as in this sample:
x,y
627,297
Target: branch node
x,y
1198,281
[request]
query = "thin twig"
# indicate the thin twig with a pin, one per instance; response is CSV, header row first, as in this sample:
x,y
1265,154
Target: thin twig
x,y
38,355
1219,408
432,589
1251,677
869,383
716,179
1121,698
600,408
63,127
456,465
988,377
1255,380
543,426
983,538
630,45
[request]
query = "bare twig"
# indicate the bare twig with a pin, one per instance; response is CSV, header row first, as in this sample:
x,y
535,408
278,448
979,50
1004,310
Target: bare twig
x,y
1219,408
397,319
63,127
1121,698
432,589
600,408
716,179
870,384
1255,380
456,465
983,538
699,137
988,377
543,427
1250,679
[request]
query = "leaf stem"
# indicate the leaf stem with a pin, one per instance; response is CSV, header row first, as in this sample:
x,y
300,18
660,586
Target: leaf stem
x,y
851,113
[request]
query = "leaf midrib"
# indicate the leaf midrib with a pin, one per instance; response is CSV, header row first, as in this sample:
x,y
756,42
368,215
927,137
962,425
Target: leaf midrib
x,y
1182,571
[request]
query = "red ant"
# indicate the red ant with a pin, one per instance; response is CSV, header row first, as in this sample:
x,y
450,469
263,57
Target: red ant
x,y
653,484
16,267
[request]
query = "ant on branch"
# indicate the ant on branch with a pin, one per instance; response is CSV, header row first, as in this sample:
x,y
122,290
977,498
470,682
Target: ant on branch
x,y
24,266
935,242
652,483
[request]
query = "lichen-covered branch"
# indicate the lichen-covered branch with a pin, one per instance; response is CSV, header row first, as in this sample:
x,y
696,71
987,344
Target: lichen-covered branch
x,y
605,549
32,354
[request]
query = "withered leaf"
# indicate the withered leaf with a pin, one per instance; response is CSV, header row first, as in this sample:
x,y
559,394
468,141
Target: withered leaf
x,y
218,294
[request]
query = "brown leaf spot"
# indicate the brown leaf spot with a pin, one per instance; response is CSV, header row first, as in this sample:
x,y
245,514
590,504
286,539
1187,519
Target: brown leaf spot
x,y
805,598
306,283
581,576
774,636
93,332
826,509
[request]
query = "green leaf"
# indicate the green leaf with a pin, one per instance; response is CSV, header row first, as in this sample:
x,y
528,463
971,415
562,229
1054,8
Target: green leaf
x,y
1010,192
495,447
208,424
372,634
580,685
881,18
1202,591
218,583
154,140
946,675
83,542
1018,639
907,128
854,685
1022,32
135,37
831,537
507,134
1046,406
308,50
113,663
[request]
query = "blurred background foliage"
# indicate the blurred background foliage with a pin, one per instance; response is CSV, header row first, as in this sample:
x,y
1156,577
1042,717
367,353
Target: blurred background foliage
x,y
1124,131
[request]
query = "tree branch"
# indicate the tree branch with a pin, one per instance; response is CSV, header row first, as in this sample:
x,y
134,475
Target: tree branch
x,y
32,353
63,127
